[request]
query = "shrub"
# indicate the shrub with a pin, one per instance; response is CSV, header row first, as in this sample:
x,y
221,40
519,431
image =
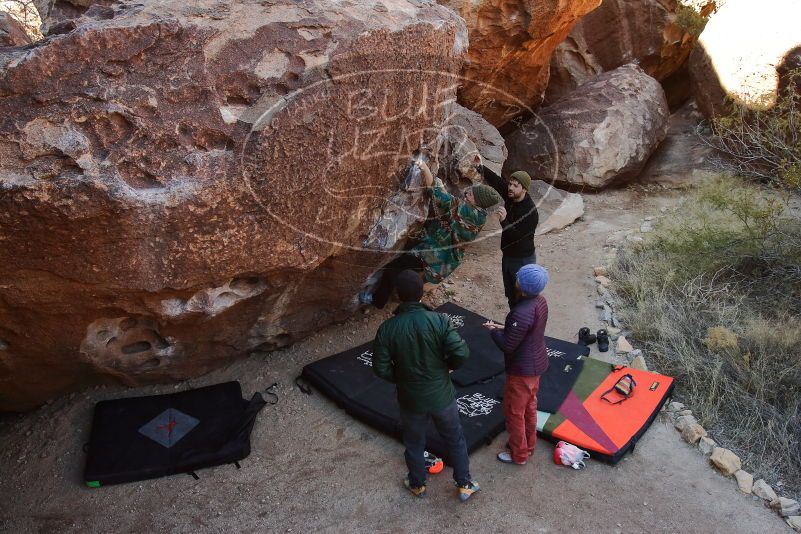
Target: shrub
x,y
690,20
764,143
715,298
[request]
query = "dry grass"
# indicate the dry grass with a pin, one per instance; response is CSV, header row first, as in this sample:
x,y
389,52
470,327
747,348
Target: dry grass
x,y
728,260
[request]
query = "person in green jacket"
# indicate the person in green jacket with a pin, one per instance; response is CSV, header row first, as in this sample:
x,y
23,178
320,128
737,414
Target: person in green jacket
x,y
456,222
416,350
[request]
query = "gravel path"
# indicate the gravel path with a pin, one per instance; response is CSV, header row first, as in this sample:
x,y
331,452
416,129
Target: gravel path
x,y
315,469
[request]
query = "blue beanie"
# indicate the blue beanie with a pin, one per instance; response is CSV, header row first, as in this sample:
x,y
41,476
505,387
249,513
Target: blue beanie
x,y
532,278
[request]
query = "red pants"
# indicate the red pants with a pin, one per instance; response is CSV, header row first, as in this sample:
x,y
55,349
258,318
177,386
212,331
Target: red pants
x,y
520,409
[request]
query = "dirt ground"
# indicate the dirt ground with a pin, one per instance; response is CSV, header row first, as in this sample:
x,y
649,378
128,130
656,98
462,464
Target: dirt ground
x,y
315,469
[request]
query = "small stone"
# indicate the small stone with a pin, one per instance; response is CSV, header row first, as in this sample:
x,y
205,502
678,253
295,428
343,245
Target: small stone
x,y
745,481
684,412
638,362
599,271
763,490
648,219
693,433
623,345
706,445
646,227
675,406
794,522
600,304
604,281
612,331
601,290
725,460
684,421
634,239
785,507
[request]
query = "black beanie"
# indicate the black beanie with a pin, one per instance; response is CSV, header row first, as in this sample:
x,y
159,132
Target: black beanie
x,y
409,286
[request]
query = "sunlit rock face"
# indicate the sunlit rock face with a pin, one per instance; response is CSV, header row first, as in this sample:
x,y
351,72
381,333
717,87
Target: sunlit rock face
x,y
618,32
511,42
196,179
600,134
741,52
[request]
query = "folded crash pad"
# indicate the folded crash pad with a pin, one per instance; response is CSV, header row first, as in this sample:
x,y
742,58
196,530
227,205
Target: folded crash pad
x,y
148,437
606,430
348,379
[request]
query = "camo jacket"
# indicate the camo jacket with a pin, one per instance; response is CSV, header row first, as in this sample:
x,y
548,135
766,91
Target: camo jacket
x,y
442,244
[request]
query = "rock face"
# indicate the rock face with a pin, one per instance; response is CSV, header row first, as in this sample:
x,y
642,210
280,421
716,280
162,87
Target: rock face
x,y
557,209
12,33
617,33
195,180
681,159
744,68
511,43
601,133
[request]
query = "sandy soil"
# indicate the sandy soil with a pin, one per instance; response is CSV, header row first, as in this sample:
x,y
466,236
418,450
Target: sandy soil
x,y
315,469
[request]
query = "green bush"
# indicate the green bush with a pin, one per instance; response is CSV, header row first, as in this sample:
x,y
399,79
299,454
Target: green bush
x,y
690,20
715,297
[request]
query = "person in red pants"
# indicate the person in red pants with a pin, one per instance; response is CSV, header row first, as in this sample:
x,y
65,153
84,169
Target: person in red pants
x,y
522,340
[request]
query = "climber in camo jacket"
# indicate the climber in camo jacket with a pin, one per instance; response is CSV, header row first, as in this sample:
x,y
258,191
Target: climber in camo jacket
x,y
455,222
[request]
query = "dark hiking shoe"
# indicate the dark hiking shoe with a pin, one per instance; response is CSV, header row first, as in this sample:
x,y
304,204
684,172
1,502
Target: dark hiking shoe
x,y
585,337
417,491
603,340
467,490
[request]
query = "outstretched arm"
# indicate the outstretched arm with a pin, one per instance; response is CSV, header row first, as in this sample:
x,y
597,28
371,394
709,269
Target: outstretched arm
x,y
510,337
494,181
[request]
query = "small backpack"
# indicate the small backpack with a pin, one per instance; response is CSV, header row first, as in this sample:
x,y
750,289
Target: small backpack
x,y
624,386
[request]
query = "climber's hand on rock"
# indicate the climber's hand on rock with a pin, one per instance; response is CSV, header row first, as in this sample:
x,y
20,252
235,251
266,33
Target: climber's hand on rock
x,y
428,178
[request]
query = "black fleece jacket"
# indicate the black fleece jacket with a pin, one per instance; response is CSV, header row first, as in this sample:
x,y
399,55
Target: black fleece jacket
x,y
517,239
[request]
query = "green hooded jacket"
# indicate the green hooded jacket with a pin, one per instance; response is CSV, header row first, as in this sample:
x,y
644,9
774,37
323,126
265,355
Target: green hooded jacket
x,y
415,350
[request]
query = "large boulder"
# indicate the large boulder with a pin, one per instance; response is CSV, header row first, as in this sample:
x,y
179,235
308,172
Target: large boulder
x,y
195,179
683,158
510,50
603,132
12,32
620,32
745,68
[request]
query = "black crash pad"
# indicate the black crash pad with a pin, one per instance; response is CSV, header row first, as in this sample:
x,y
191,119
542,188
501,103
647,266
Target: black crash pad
x,y
347,378
148,437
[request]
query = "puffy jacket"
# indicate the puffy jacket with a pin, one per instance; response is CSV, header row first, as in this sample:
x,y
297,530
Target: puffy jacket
x,y
415,350
522,339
